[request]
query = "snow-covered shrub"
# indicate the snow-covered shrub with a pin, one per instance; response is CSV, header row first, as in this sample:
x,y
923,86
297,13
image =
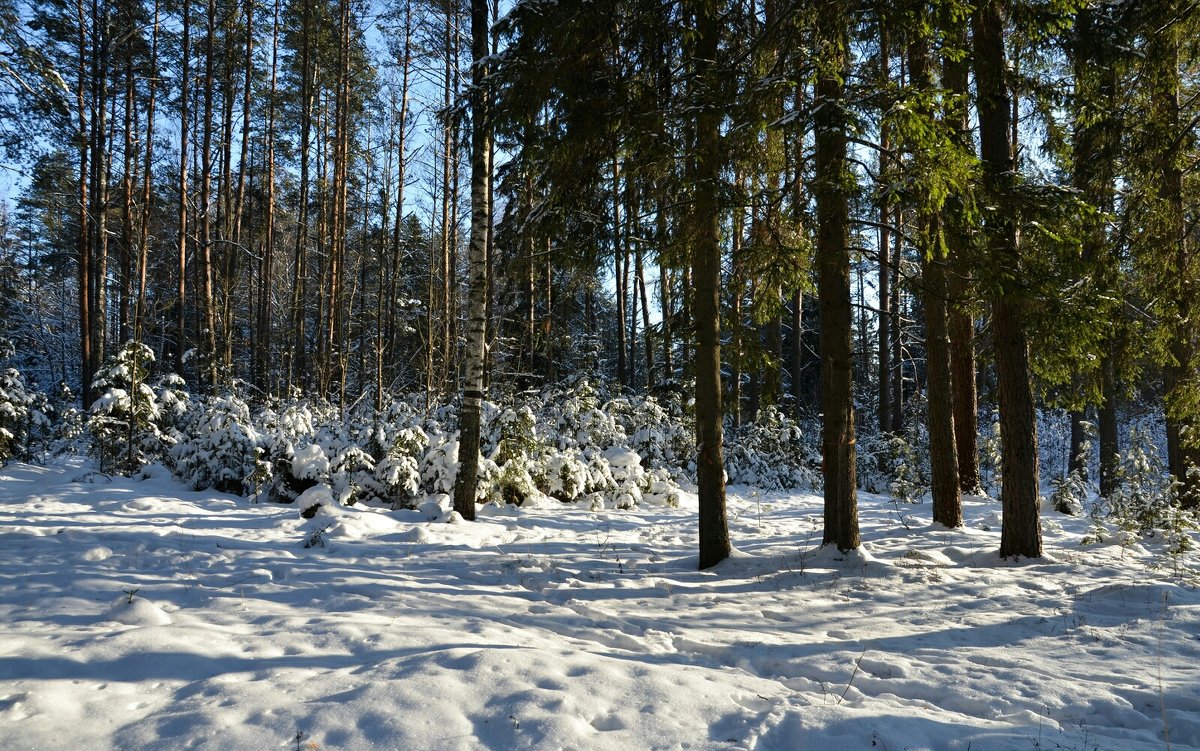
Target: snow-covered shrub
x,y
659,488
660,432
564,474
23,412
309,463
1071,490
991,459
281,429
625,467
512,482
517,456
580,422
220,449
124,420
1146,500
439,467
397,471
68,425
771,454
174,402
16,414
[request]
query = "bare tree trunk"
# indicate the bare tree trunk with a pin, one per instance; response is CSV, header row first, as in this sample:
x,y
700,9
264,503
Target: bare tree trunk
x,y
448,147
955,72
1020,534
184,131
239,201
797,352
87,371
125,288
262,349
885,240
664,284
737,331
943,458
833,266
797,323
147,181
641,282
896,318
469,422
705,234
629,275
1179,375
1097,142
206,169
297,360
401,174
98,183
619,275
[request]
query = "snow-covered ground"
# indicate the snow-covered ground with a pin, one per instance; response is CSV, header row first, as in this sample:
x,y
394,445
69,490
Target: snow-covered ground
x,y
564,628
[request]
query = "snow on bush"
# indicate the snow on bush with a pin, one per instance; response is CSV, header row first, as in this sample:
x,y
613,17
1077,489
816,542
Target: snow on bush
x,y
771,454
221,449
574,443
18,414
125,421
1146,502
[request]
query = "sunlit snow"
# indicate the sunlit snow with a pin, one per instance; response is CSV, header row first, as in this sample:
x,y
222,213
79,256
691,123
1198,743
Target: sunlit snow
x,y
135,614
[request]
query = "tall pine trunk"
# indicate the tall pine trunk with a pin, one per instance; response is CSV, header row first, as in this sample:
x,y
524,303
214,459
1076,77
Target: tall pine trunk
x,y
1020,534
1179,376
704,226
943,459
831,190
961,326
885,241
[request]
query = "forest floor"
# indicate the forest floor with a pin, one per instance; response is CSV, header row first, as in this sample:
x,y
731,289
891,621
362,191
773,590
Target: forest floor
x,y
135,614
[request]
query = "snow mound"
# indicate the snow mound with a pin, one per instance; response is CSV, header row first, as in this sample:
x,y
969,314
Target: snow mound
x,y
137,611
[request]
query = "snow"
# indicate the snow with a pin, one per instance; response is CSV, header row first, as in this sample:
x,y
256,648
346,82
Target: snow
x,y
141,615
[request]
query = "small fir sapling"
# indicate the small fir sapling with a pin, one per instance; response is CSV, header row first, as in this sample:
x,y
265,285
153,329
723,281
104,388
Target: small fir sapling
x,y
221,448
771,454
1071,490
124,422
1146,501
16,409
68,425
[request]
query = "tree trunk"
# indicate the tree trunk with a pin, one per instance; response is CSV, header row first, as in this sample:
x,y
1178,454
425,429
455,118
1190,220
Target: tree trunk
x,y
705,231
147,183
473,394
206,169
184,128
445,346
297,356
1020,533
391,339
262,349
1179,376
737,333
830,189
797,341
98,163
897,320
84,250
961,326
885,240
943,460
125,288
